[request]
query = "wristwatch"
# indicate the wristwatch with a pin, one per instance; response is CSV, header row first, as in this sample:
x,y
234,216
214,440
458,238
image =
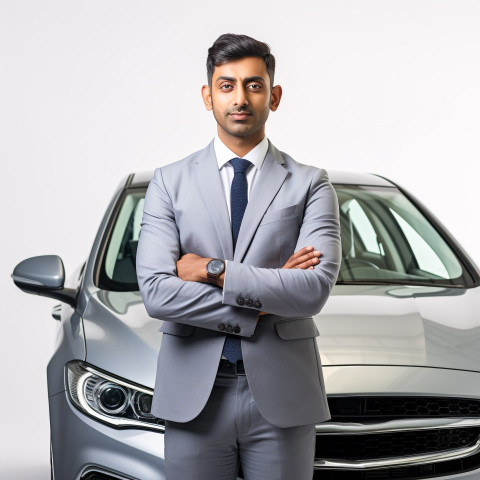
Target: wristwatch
x,y
215,268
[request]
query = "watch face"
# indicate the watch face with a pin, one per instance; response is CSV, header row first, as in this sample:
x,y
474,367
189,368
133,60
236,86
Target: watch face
x,y
215,267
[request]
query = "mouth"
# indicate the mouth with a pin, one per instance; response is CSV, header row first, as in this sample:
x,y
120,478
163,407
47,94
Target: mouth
x,y
240,115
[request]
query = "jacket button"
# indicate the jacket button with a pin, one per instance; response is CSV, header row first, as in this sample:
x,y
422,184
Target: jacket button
x,y
221,326
229,329
257,304
248,302
240,301
237,329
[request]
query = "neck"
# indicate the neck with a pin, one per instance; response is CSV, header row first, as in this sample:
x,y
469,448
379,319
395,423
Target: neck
x,y
240,145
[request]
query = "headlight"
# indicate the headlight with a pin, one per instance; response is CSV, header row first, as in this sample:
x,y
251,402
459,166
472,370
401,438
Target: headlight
x,y
109,399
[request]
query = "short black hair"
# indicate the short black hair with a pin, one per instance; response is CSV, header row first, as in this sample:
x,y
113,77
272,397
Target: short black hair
x,y
230,47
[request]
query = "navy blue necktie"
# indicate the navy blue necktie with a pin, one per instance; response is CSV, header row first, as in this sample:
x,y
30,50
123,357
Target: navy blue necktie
x,y
232,350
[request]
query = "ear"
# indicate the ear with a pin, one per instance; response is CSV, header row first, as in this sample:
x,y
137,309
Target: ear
x,y
275,97
207,97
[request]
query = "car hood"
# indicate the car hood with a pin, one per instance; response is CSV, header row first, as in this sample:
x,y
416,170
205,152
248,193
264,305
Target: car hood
x,y
359,325
120,337
401,325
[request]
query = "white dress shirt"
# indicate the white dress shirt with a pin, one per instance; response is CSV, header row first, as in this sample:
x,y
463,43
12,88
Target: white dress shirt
x,y
224,155
256,156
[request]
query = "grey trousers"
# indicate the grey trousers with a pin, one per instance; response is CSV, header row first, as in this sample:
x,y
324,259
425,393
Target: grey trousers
x,y
230,431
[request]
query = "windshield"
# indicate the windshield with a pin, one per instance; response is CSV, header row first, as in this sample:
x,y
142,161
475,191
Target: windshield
x,y
385,239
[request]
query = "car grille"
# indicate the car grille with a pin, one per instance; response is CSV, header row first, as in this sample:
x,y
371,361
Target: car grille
x,y
339,452
387,408
396,444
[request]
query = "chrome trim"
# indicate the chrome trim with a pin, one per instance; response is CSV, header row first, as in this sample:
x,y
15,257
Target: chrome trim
x,y
397,462
52,465
332,428
95,469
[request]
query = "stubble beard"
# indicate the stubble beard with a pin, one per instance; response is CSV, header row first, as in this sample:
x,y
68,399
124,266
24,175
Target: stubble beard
x,y
242,129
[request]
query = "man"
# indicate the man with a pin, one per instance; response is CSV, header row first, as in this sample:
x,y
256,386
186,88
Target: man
x,y
239,378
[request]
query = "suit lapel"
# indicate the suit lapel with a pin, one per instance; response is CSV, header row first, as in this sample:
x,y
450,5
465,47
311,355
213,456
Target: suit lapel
x,y
210,184
270,179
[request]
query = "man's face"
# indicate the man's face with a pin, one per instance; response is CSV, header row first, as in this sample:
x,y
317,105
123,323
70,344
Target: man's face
x,y
241,98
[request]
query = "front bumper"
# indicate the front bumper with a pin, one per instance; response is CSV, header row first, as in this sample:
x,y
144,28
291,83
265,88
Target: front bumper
x,y
81,446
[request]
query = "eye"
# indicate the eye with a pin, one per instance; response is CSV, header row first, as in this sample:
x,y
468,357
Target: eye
x,y
254,86
226,87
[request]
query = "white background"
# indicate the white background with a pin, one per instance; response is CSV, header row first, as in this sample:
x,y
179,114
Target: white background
x,y
93,90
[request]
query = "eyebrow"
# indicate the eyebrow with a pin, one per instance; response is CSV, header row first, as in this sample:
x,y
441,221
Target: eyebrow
x,y
247,80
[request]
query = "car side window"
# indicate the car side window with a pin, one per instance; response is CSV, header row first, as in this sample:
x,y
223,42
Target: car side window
x,y
121,252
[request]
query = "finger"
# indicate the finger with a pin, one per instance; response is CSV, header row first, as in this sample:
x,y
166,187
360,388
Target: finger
x,y
308,264
304,258
299,253
296,262
302,251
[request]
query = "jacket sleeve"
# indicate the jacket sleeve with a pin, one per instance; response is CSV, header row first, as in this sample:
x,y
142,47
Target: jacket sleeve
x,y
167,297
295,292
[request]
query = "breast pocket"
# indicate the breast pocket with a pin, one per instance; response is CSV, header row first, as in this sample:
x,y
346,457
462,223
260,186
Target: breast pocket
x,y
296,328
281,214
179,329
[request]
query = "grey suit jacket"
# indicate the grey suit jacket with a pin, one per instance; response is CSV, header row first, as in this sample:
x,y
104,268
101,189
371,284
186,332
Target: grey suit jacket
x,y
291,206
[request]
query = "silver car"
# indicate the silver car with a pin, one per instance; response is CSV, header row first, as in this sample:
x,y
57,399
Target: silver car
x,y
399,339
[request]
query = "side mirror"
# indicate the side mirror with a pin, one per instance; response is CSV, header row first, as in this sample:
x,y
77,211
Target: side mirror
x,y
45,276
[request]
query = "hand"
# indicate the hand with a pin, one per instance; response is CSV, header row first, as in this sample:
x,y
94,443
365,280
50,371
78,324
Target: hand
x,y
192,268
305,258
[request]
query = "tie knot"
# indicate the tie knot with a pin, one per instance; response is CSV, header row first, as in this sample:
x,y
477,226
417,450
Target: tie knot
x,y
240,165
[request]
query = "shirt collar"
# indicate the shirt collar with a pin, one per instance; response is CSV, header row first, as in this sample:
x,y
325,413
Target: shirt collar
x,y
256,155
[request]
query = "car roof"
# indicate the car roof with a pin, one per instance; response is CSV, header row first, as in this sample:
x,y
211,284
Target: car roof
x,y
142,179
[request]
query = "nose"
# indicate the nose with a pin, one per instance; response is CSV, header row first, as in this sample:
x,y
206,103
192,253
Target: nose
x,y
240,98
